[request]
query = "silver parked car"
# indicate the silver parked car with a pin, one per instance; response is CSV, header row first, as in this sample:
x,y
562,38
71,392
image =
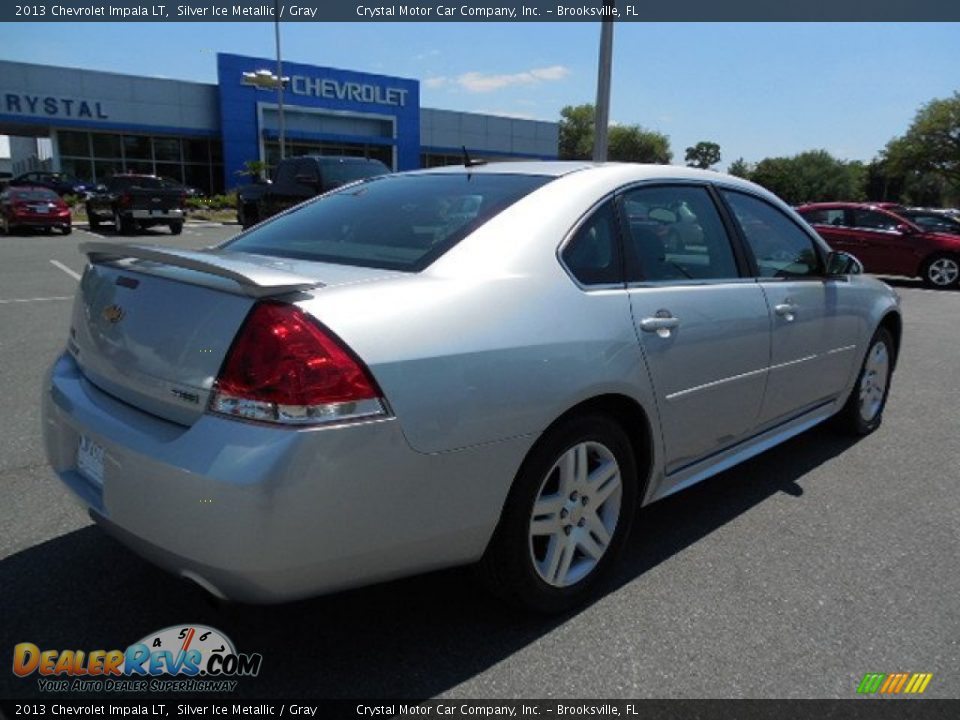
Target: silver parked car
x,y
495,363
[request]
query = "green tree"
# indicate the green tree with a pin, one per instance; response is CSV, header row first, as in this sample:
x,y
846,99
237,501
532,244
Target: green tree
x,y
741,168
703,155
576,132
625,143
632,143
931,143
811,176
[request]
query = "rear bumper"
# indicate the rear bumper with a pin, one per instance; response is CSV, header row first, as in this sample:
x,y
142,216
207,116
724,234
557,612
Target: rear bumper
x,y
262,514
164,215
41,221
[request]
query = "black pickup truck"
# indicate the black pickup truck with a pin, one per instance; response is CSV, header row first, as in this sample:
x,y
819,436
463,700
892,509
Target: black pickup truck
x,y
133,202
298,179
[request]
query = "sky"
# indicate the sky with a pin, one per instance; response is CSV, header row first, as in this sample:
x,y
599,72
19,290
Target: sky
x,y
757,89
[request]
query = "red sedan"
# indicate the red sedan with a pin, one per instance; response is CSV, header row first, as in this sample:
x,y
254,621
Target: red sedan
x,y
887,243
33,207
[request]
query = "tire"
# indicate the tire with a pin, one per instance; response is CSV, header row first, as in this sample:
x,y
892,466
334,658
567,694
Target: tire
x,y
558,568
66,229
176,228
941,271
4,225
863,411
92,220
123,225
251,215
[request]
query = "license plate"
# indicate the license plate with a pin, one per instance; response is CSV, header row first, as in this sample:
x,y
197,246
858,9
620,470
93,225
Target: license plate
x,y
42,209
90,460
156,212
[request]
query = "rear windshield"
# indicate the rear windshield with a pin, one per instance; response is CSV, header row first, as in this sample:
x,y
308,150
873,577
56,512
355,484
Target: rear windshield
x,y
336,174
125,183
34,195
398,222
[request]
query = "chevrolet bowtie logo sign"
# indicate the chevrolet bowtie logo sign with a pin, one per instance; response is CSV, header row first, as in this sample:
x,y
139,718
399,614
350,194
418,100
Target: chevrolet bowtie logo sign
x,y
262,80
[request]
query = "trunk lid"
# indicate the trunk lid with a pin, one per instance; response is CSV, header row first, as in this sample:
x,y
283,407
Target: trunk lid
x,y
152,325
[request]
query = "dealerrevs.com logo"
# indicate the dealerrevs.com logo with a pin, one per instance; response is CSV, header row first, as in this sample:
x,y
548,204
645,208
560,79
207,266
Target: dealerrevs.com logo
x,y
181,658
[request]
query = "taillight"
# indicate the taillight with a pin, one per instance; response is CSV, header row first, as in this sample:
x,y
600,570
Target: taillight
x,y
285,368
19,208
125,199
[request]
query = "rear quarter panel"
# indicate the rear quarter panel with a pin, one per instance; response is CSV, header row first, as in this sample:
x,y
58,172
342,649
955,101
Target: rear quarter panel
x,y
494,340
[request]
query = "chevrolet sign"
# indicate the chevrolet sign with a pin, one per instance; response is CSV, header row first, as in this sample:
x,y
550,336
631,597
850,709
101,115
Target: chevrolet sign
x,y
351,91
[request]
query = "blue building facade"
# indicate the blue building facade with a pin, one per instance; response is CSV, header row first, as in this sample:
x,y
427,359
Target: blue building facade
x,y
323,107
202,134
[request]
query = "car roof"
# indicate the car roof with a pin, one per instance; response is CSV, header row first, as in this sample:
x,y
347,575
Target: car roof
x,y
559,168
889,207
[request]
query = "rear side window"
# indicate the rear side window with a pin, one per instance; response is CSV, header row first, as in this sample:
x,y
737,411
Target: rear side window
x,y
824,216
398,222
781,248
674,232
137,181
593,254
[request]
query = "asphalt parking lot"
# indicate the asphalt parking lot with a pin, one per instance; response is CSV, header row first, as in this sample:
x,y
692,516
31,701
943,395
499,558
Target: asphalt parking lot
x,y
789,576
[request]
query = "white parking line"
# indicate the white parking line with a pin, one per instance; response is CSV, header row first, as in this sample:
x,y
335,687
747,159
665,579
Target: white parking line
x,y
68,271
29,300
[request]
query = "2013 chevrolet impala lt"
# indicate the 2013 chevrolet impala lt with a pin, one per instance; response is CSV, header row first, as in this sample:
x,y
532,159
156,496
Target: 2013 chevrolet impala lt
x,y
493,363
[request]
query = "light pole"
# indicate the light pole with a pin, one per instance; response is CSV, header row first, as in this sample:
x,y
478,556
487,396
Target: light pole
x,y
276,26
604,69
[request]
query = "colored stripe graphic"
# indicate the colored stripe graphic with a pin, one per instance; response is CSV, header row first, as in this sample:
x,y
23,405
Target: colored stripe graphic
x,y
894,683
870,683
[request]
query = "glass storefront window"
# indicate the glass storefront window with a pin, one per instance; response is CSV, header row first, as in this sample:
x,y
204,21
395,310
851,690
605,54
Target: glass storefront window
x,y
166,149
73,143
80,168
106,168
106,146
136,147
196,150
96,156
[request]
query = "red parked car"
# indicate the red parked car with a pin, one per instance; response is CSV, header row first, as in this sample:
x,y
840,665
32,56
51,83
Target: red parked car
x,y
887,243
33,207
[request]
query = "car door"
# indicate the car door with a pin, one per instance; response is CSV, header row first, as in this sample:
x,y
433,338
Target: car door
x,y
814,321
701,321
884,247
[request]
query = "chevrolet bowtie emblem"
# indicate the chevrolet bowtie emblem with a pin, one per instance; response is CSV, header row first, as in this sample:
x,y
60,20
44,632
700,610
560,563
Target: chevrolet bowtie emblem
x,y
113,314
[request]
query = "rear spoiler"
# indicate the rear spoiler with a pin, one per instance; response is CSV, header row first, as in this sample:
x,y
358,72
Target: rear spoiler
x,y
255,279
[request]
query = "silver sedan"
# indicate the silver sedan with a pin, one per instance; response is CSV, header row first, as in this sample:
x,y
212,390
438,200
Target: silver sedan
x,y
494,364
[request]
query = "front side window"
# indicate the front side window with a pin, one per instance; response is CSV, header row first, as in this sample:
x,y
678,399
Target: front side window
x,y
781,248
873,220
674,232
397,222
592,256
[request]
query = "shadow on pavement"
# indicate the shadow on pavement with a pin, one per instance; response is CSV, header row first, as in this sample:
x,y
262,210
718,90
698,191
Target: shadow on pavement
x,y
413,638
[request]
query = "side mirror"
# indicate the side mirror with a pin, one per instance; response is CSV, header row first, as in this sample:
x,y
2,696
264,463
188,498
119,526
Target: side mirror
x,y
905,229
841,263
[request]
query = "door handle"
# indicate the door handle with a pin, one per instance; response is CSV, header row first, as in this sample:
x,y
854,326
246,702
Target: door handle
x,y
787,310
661,324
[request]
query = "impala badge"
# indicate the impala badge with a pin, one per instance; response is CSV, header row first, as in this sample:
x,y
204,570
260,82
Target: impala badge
x,y
113,314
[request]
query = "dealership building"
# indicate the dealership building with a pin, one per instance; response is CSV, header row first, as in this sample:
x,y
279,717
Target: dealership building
x,y
101,123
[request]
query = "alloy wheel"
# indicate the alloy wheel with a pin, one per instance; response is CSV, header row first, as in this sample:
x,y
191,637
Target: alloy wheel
x,y
943,271
873,384
575,514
